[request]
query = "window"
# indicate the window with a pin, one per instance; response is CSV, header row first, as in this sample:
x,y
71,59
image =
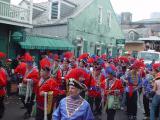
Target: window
x,y
100,15
109,16
54,11
132,36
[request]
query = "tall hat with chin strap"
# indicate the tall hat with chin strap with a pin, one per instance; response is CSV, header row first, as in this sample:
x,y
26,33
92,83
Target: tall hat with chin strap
x,y
76,78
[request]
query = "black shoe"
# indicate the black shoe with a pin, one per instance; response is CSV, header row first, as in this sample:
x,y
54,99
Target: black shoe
x,y
22,107
26,115
146,118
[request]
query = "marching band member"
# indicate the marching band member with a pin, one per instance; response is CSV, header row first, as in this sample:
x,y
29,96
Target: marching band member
x,y
64,71
96,91
74,107
49,85
56,71
154,112
30,81
134,82
3,84
114,89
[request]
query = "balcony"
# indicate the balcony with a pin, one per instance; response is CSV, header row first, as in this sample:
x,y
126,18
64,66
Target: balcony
x,y
12,14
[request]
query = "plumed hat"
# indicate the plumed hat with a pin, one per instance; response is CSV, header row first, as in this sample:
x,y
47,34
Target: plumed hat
x,y
90,60
124,59
68,55
83,57
28,57
74,77
2,55
156,66
111,69
45,63
104,56
138,64
56,57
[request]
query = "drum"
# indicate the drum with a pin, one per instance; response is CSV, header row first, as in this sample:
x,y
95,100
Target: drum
x,y
22,89
113,102
14,88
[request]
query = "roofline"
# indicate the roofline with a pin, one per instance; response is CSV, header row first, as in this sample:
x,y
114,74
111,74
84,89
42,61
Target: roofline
x,y
34,4
39,7
16,23
70,3
46,36
134,41
149,22
54,24
81,9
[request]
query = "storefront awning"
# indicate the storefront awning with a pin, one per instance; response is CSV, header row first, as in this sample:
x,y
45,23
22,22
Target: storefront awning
x,y
46,43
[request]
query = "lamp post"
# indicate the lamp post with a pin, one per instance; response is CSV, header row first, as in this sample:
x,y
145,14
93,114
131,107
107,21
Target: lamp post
x,y
98,48
79,44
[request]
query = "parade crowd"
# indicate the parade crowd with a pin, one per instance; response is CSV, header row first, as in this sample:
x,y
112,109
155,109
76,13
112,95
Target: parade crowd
x,y
69,88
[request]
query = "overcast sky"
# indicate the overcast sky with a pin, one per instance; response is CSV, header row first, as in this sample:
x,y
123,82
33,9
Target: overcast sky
x,y
141,9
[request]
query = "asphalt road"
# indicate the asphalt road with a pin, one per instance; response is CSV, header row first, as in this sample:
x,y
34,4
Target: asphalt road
x,y
13,111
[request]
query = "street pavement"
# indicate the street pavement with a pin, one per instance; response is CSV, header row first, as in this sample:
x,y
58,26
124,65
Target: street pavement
x,y
14,112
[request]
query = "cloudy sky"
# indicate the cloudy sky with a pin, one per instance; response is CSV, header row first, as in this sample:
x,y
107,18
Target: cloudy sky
x,y
141,9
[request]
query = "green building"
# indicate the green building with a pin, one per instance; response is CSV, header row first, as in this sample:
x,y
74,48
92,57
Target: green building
x,y
85,25
13,20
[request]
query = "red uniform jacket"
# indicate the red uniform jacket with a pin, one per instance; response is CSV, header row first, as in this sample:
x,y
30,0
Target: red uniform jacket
x,y
33,74
97,87
116,85
58,77
3,81
21,69
62,83
46,86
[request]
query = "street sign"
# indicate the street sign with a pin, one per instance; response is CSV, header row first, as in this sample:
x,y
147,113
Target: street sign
x,y
120,41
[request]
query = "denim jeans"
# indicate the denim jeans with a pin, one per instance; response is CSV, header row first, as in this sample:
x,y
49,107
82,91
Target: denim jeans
x,y
154,106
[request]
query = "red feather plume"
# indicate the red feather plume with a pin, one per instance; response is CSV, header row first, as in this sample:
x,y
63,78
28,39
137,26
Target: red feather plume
x,y
2,55
124,59
28,57
90,60
83,56
68,55
45,63
77,73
